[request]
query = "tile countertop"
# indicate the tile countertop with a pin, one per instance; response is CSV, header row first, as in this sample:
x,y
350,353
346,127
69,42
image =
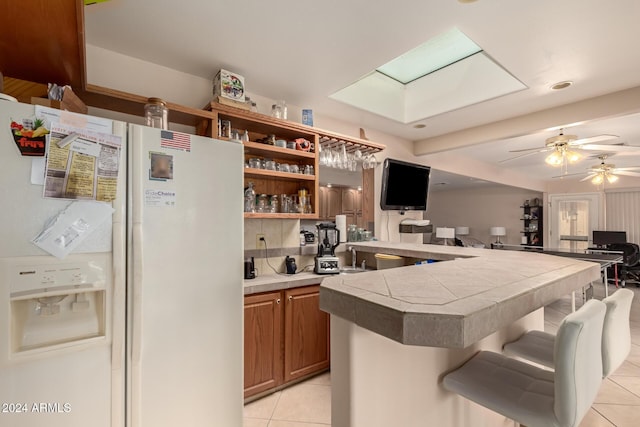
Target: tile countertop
x,y
278,282
451,304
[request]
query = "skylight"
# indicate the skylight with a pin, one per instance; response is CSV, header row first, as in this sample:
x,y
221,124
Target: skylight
x,y
445,73
440,51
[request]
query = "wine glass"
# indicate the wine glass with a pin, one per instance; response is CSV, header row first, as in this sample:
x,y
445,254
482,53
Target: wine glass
x,y
372,161
358,155
344,159
323,156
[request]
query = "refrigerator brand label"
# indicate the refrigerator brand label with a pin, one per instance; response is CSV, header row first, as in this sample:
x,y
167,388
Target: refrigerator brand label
x,y
159,198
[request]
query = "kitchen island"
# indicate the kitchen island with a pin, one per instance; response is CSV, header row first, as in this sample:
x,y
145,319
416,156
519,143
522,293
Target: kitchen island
x,y
395,333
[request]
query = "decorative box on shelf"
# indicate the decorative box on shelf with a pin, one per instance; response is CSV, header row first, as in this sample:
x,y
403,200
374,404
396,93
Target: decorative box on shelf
x,y
230,85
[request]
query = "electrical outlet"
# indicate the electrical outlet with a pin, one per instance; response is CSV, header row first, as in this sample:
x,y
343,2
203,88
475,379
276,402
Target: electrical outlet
x,y
259,244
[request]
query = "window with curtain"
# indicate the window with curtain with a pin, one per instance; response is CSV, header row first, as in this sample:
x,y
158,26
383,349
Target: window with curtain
x,y
623,213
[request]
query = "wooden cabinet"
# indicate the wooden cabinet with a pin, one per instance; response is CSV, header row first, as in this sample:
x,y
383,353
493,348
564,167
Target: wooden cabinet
x,y
350,200
273,182
334,202
306,333
352,206
262,342
341,201
286,337
330,202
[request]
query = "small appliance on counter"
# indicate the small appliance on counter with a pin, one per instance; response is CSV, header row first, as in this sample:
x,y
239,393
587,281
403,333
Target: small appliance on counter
x,y
290,265
328,240
249,268
309,237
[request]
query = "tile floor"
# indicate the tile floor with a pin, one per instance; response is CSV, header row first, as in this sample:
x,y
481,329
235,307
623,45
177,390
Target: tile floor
x,y
308,404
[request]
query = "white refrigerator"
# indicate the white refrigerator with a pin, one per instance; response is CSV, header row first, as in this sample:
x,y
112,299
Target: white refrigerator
x,y
141,325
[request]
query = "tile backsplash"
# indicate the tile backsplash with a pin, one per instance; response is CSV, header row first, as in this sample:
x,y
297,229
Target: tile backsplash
x,y
283,238
278,233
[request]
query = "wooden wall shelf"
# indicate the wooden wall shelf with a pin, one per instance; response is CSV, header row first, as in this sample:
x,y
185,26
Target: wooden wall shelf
x,y
124,102
271,150
280,215
242,118
264,173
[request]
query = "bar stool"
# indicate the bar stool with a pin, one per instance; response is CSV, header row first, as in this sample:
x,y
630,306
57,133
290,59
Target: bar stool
x,y
534,396
537,346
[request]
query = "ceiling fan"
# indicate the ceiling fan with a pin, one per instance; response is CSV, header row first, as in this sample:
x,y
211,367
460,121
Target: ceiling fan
x,y
598,173
564,148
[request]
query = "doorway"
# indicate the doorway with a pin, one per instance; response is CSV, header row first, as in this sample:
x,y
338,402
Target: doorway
x,y
573,219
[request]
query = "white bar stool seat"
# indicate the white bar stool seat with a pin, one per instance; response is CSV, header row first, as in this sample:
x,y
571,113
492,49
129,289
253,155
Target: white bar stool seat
x,y
537,346
534,396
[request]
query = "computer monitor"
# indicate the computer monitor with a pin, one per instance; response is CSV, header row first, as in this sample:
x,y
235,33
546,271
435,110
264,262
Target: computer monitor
x,y
604,238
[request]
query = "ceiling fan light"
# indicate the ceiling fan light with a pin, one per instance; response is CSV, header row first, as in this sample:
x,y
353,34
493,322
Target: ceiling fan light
x,y
612,178
573,156
554,159
598,179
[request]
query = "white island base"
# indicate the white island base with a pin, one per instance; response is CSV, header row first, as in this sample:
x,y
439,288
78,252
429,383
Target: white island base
x,y
378,382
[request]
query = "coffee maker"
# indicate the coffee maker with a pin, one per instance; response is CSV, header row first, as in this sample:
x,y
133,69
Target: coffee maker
x,y
328,240
249,268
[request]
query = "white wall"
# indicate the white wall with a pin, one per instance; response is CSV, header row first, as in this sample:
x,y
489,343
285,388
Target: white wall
x,y
481,209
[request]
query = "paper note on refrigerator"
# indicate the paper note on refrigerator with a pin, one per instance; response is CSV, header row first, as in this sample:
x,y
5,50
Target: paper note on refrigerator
x,y
65,231
37,170
86,168
53,115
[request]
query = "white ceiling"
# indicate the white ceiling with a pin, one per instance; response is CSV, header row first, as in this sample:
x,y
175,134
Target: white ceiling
x,y
443,181
303,51
627,128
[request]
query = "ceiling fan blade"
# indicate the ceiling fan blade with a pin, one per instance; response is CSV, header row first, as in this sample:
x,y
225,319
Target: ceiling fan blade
x,y
520,156
524,150
588,177
592,139
612,148
568,175
627,173
623,153
629,168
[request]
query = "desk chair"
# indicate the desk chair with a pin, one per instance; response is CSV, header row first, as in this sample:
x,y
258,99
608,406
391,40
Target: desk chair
x,y
534,396
630,269
537,346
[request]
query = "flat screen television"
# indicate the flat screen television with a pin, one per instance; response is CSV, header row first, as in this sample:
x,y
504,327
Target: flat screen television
x,y
603,238
405,186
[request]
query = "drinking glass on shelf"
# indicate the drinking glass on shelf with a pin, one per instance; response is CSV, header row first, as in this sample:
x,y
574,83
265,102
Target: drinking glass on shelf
x,y
285,203
322,156
370,161
353,163
344,159
263,202
273,204
255,163
333,159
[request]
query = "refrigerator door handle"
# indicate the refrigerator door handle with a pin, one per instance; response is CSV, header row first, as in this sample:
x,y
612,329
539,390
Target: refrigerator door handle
x,y
136,327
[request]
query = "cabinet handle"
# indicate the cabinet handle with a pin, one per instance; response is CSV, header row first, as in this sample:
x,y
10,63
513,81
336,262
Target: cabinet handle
x,y
290,297
278,301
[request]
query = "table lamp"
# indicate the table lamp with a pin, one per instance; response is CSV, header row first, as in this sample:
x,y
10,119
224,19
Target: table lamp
x,y
498,232
462,231
445,233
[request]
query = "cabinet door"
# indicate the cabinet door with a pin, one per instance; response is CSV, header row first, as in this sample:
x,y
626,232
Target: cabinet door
x,y
349,200
324,208
262,342
306,342
359,217
334,202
